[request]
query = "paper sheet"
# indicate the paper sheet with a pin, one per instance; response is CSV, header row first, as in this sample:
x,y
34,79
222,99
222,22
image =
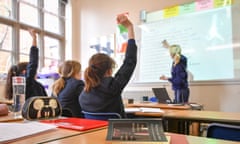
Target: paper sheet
x,y
11,131
143,109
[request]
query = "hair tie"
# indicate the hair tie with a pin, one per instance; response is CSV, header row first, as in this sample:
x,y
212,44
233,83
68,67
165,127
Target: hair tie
x,y
64,78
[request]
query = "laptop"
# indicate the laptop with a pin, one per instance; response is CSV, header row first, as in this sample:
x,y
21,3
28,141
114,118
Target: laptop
x,y
163,97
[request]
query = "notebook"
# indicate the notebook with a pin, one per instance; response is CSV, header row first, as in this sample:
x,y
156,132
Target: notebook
x,y
80,124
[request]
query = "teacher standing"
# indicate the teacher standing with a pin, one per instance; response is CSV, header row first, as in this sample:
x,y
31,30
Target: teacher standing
x,y
179,75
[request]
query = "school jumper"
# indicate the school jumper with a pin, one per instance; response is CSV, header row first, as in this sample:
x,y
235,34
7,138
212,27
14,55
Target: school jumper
x,y
68,96
33,87
107,96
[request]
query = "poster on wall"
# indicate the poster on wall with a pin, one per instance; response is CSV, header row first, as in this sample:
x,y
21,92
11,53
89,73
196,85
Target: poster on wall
x,y
114,45
103,44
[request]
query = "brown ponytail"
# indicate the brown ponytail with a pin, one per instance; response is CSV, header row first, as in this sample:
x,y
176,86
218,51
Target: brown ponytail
x,y
98,65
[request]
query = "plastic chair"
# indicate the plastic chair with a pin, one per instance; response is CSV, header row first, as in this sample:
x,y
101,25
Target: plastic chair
x,y
101,115
224,131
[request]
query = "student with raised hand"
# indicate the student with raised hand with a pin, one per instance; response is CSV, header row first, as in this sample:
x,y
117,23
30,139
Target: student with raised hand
x,y
179,74
102,92
29,70
68,87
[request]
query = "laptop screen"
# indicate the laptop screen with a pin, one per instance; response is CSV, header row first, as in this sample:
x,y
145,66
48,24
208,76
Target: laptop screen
x,y
162,95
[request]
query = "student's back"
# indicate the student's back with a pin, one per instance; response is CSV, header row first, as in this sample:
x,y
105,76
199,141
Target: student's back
x,y
68,87
102,92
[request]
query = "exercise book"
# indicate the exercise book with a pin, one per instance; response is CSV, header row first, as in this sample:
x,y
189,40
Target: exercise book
x,y
80,124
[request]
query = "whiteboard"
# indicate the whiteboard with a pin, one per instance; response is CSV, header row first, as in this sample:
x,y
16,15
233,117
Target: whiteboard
x,y
207,39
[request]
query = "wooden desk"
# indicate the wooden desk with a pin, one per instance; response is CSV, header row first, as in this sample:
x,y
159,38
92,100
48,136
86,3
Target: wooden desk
x,y
51,135
99,137
184,113
170,125
158,105
192,119
8,102
148,114
9,118
204,116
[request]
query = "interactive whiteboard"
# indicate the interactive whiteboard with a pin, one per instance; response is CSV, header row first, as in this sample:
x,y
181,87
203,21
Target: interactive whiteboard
x,y
209,39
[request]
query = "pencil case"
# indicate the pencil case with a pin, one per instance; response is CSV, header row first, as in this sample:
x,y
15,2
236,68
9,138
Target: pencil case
x,y
41,107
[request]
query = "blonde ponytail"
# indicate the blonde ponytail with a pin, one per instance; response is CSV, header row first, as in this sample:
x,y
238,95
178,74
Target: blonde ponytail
x,y
58,86
175,50
68,69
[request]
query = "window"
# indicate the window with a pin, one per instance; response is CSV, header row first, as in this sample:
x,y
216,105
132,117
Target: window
x,y
5,47
47,17
25,44
29,12
5,8
52,54
52,17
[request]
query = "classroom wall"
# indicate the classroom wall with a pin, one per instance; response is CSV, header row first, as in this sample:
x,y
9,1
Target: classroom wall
x,y
92,18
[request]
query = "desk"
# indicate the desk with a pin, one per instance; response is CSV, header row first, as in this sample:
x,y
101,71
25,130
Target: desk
x,y
183,113
9,118
8,102
204,116
170,125
159,105
194,117
51,135
99,137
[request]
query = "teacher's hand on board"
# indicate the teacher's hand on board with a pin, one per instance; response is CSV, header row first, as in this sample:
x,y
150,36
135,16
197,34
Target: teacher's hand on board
x,y
163,77
165,44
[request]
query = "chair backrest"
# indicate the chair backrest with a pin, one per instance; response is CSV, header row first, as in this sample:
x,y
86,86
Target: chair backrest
x,y
101,115
224,131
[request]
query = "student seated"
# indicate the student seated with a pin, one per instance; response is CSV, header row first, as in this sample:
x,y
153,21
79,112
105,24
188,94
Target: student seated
x,y
68,88
29,70
102,92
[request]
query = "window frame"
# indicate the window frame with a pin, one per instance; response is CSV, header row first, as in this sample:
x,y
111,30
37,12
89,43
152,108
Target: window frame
x,y
14,22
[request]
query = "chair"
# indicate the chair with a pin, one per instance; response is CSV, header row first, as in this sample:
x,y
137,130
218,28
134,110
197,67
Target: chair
x,y
224,131
101,115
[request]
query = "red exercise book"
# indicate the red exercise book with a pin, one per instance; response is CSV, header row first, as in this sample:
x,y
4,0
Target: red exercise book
x,y
80,124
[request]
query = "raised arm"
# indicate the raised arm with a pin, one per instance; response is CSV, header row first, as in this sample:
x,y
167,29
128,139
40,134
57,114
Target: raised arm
x,y
33,56
34,37
123,20
125,72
